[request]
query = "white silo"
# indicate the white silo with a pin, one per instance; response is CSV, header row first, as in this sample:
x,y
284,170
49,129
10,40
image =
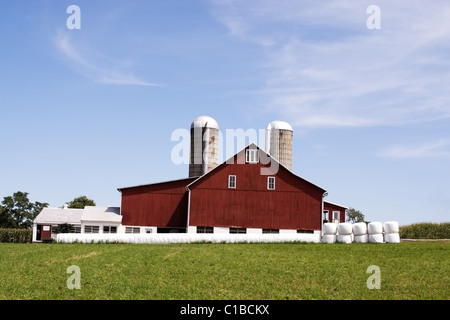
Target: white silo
x,y
204,146
279,138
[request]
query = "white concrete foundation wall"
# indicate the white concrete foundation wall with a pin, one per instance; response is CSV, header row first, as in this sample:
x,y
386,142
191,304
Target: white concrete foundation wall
x,y
221,230
186,238
193,229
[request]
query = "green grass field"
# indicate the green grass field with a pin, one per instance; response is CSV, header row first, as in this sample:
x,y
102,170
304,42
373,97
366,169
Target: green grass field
x,y
417,270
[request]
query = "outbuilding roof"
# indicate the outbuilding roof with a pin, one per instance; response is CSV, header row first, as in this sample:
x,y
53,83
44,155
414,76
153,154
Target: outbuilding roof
x,y
59,215
76,216
101,214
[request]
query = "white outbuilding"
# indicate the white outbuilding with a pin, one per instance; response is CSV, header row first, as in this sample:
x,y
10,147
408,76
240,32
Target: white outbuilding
x,y
91,219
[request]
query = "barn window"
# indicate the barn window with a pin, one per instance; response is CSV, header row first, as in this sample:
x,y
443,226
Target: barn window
x,y
336,216
270,230
271,183
232,182
91,229
205,229
305,231
325,215
238,230
132,230
109,229
251,156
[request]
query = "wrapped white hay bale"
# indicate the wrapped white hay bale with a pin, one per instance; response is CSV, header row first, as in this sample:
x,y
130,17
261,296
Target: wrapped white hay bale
x,y
345,228
344,238
390,227
329,238
392,237
361,238
329,228
375,238
375,228
359,228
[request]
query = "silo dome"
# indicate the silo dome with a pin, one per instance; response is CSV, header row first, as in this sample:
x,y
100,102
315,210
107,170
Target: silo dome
x,y
279,138
204,146
278,124
202,121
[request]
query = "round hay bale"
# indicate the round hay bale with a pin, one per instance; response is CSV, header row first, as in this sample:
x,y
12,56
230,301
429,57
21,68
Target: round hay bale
x,y
375,228
329,228
361,238
390,227
344,238
359,228
392,237
329,238
345,228
375,238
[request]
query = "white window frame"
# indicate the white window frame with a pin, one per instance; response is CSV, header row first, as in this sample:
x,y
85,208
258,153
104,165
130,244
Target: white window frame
x,y
110,229
325,215
205,229
251,156
237,230
336,216
91,229
269,183
231,181
273,231
132,230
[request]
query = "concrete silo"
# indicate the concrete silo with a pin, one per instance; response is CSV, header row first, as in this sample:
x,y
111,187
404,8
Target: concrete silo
x,y
204,146
279,138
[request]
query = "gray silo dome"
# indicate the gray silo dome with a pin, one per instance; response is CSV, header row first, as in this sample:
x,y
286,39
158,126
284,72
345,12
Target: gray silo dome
x,y
203,121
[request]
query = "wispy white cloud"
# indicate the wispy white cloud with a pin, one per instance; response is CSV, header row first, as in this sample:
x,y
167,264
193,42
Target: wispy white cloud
x,y
89,65
324,68
438,149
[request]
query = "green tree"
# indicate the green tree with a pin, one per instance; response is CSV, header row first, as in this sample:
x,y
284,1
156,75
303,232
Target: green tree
x,y
354,215
18,212
81,202
6,221
64,228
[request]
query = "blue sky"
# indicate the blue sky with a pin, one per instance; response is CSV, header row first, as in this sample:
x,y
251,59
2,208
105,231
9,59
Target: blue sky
x,y
84,112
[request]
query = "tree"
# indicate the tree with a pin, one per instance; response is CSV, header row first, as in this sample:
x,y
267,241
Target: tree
x,y
80,202
354,215
64,228
6,221
18,212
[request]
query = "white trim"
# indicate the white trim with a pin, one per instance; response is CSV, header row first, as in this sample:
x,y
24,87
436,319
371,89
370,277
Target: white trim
x,y
251,156
268,183
230,182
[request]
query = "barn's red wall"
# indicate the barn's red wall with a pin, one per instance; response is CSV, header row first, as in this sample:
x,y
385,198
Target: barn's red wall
x,y
294,204
162,204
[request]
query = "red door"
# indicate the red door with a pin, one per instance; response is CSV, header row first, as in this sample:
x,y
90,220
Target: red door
x,y
46,232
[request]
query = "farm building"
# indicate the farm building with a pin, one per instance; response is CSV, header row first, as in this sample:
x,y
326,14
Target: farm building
x,y
88,220
254,191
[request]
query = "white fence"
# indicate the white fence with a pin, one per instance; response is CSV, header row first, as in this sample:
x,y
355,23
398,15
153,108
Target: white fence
x,y
185,238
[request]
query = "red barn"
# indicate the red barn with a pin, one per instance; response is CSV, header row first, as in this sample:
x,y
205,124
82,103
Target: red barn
x,y
233,197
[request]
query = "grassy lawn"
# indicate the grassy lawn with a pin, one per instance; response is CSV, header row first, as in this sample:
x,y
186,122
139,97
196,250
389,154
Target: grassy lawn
x,y
412,270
